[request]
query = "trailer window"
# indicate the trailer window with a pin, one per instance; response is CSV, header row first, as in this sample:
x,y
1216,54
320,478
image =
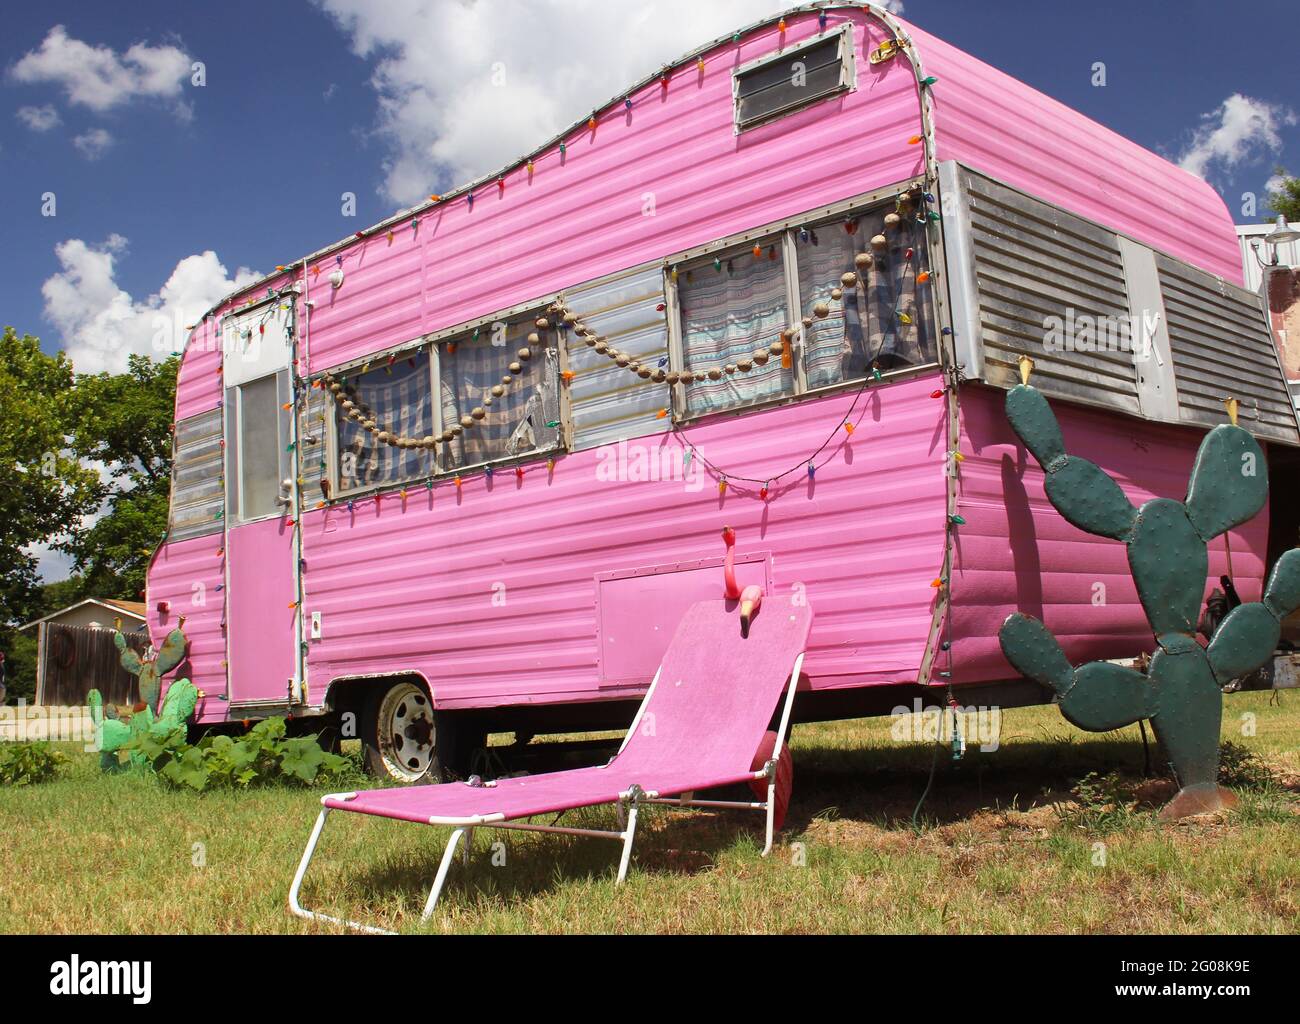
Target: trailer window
x,y
498,394
733,309
388,403
782,83
748,328
259,461
885,319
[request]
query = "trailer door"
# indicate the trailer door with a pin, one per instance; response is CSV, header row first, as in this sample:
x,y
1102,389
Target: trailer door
x,y
262,615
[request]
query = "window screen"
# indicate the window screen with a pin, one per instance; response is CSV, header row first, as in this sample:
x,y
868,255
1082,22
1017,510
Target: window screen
x,y
886,317
261,441
733,309
518,412
790,81
397,398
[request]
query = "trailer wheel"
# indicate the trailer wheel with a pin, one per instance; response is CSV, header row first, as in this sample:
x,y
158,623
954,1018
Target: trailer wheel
x,y
404,739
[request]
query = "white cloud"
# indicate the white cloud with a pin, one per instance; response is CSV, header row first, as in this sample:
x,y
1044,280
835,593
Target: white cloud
x,y
101,324
440,112
39,119
1240,129
99,78
93,144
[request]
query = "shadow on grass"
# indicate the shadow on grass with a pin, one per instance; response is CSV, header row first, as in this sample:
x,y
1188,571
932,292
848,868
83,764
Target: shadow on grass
x,y
513,867
882,785
877,784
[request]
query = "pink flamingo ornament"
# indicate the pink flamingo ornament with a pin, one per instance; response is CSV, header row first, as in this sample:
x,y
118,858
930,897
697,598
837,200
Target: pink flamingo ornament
x,y
751,597
750,600
731,591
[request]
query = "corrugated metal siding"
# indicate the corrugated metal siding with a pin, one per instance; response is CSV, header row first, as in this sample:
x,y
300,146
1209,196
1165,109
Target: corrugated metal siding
x,y
410,585
198,380
1033,262
586,215
609,402
1222,346
988,120
1016,552
189,576
198,494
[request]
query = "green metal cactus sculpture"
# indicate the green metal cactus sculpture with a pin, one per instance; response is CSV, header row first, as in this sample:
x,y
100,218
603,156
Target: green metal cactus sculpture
x,y
1180,693
112,733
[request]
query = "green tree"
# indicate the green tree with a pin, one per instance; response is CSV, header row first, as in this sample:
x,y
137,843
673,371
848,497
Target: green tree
x,y
1286,200
47,489
123,422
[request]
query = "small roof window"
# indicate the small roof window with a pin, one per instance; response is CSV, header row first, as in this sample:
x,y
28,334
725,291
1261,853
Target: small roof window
x,y
784,82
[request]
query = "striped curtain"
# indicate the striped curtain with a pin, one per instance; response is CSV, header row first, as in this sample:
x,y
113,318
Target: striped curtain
x,y
523,420
866,325
400,396
727,313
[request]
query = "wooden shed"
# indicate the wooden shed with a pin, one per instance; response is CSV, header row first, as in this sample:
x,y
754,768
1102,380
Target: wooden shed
x,y
76,653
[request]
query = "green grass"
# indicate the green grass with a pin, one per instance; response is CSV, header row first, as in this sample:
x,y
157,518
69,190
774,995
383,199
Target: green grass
x,y
1002,847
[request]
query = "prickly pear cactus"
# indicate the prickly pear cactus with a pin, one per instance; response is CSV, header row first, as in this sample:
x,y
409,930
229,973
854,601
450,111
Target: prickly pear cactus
x,y
111,732
1181,691
151,671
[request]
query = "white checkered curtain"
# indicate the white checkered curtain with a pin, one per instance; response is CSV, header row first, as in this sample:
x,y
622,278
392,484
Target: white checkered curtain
x,y
864,327
400,396
523,420
727,313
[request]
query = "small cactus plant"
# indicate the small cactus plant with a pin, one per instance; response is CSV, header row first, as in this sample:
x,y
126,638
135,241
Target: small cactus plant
x,y
112,732
1181,690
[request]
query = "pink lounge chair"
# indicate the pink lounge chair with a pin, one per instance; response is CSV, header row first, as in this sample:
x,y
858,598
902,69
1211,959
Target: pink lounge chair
x,y
701,722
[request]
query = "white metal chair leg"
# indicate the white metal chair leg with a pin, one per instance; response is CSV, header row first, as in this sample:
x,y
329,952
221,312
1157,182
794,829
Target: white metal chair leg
x,y
469,843
441,877
771,815
307,854
628,834
298,909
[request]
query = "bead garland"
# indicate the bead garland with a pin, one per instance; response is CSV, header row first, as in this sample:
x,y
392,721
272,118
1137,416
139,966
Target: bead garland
x,y
345,395
862,261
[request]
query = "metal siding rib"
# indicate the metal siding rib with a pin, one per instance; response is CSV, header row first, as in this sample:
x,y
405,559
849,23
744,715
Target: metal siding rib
x,y
1016,552
579,220
187,575
410,585
988,120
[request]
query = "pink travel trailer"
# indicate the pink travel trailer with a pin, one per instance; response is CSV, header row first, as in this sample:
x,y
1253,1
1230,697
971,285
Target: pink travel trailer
x,y
463,472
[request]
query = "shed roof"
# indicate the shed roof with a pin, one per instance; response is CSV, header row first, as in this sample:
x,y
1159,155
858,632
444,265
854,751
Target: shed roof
x,y
127,609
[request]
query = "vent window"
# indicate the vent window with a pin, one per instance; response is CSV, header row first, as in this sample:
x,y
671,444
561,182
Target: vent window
x,y
780,84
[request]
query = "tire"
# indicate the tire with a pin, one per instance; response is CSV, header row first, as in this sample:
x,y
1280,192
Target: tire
x,y
406,742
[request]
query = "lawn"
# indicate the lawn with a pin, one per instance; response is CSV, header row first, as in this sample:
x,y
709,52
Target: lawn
x,y
1002,846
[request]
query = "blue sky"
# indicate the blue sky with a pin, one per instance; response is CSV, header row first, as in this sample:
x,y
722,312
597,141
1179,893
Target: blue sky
x,y
164,189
